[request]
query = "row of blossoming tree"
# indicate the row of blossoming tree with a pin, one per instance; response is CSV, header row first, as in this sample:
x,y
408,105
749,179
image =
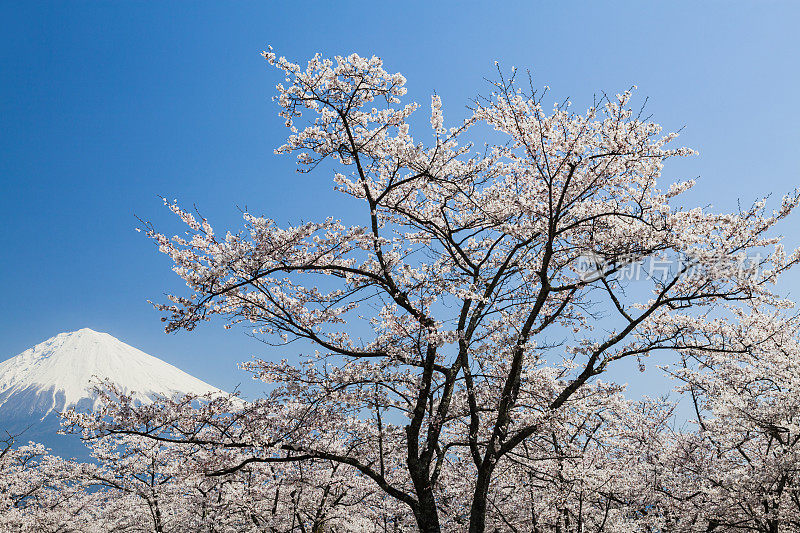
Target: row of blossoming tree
x,y
446,358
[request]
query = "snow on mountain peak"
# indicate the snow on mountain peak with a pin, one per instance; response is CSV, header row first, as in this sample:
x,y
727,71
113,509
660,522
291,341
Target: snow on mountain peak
x,y
67,366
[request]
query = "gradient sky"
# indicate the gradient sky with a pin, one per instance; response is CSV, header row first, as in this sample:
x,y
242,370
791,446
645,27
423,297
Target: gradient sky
x,y
105,106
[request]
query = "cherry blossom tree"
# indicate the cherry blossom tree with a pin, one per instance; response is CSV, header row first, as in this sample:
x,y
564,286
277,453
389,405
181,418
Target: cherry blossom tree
x,y
439,350
744,458
43,492
173,484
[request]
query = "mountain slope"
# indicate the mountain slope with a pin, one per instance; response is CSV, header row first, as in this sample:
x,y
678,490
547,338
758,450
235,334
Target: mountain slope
x,y
60,373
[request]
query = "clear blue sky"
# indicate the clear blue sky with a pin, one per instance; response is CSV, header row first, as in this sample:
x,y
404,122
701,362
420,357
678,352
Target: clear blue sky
x,y
104,106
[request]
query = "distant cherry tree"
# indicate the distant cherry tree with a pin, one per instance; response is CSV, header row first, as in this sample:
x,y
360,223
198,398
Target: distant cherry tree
x,y
741,469
43,492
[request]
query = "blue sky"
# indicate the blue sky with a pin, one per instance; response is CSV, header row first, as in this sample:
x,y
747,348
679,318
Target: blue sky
x,y
105,106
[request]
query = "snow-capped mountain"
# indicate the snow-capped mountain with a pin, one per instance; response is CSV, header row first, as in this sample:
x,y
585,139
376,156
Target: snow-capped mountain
x,y
61,372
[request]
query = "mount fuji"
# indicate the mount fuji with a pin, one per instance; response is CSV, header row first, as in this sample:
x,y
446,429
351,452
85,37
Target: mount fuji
x,y
61,372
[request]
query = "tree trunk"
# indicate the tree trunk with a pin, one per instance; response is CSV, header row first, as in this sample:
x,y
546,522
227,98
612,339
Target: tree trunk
x,y
426,513
477,514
